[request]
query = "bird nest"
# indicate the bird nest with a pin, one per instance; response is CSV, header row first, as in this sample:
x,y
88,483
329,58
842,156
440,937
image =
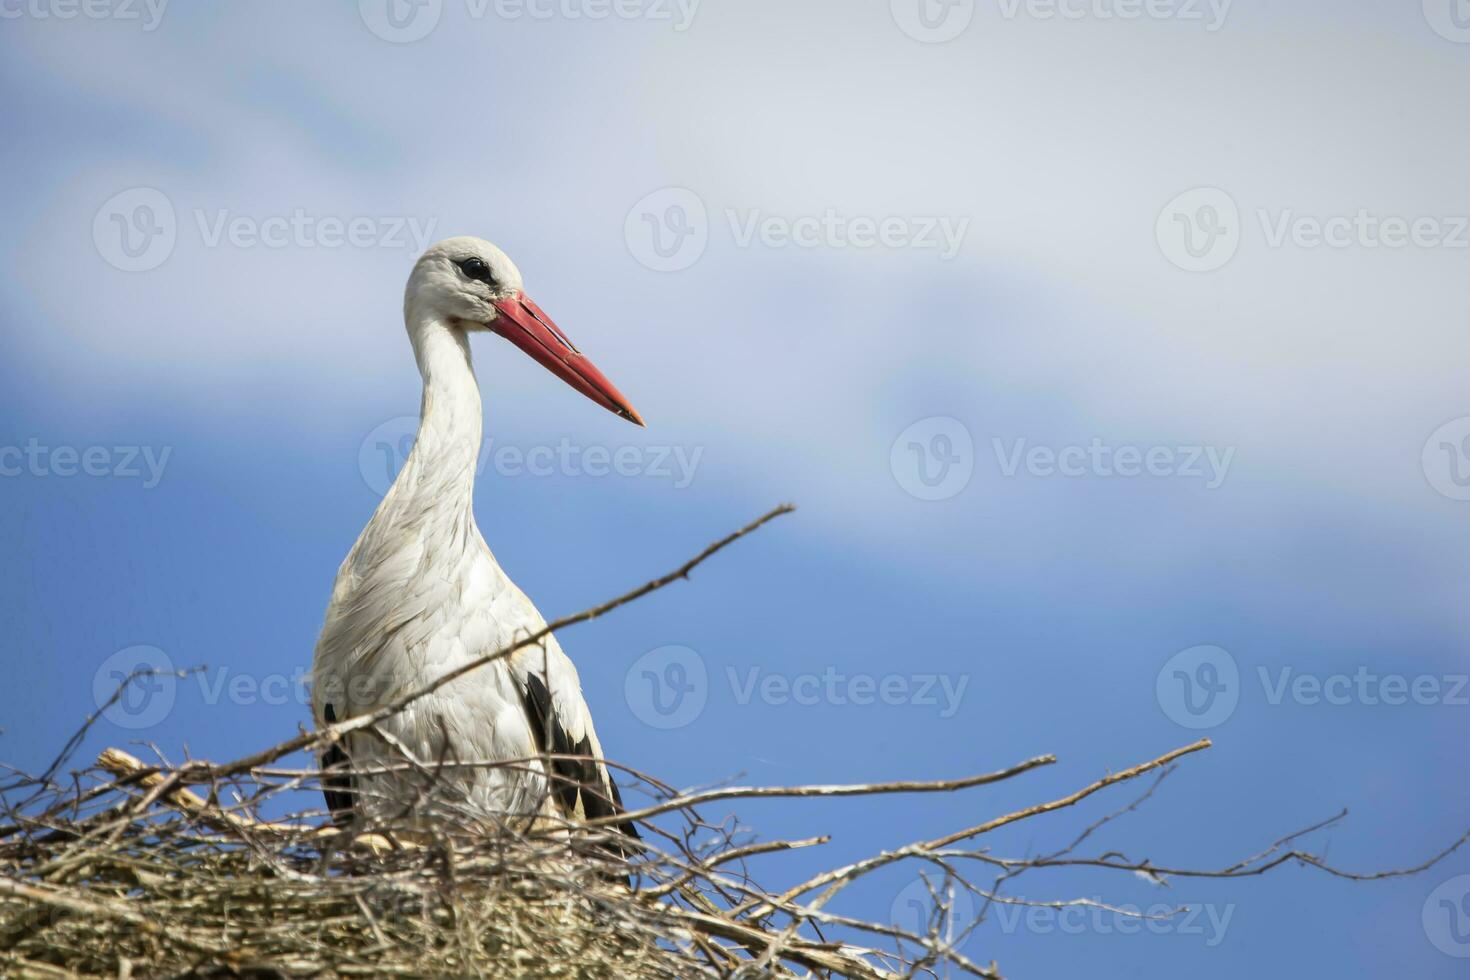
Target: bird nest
x,y
122,874
129,868
125,869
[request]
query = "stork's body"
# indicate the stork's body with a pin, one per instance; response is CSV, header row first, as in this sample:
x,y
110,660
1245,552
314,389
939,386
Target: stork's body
x,y
421,594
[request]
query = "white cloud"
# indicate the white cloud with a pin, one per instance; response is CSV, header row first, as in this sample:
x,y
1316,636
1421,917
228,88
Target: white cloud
x,y
1059,141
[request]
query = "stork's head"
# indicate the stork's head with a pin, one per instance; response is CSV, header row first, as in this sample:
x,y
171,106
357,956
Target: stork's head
x,y
470,284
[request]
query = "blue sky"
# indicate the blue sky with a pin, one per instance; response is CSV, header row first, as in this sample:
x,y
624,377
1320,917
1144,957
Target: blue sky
x,y
785,362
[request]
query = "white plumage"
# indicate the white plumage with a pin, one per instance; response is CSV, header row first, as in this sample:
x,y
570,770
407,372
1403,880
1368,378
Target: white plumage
x,y
420,593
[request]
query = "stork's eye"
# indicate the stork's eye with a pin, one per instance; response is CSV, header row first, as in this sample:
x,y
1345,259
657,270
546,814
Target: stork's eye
x,y
475,269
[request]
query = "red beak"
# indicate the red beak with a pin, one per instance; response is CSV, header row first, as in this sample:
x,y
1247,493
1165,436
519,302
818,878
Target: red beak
x,y
524,324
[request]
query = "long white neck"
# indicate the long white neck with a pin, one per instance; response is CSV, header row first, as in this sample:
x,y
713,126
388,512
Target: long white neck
x,y
434,491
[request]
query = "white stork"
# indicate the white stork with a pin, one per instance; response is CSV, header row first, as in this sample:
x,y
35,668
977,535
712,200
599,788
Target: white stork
x,y
420,594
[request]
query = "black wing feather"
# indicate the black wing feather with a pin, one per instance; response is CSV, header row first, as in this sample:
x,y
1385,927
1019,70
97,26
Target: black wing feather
x,y
576,772
336,777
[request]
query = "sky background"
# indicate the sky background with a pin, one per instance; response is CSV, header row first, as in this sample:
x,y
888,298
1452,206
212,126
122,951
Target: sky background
x,y
1134,268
